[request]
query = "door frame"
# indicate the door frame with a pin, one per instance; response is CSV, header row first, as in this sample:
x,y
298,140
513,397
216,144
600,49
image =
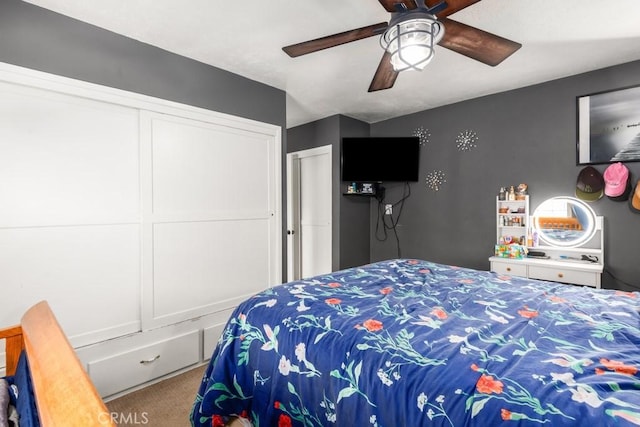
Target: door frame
x,y
294,260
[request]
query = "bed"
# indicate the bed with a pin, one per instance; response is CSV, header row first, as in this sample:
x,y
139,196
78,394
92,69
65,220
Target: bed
x,y
53,388
416,343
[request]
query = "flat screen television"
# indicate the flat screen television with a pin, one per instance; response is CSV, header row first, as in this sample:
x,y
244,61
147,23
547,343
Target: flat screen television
x,y
383,159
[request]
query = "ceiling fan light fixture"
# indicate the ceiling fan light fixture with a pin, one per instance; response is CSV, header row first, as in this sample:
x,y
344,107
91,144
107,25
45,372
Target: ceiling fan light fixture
x,y
411,40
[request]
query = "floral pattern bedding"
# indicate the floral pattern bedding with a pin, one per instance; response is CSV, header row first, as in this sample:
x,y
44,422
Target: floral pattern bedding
x,y
415,343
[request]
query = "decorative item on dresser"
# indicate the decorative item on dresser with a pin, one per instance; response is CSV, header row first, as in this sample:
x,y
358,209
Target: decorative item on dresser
x,y
566,244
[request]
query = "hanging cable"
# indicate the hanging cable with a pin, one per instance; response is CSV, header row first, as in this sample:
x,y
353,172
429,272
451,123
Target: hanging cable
x,y
382,225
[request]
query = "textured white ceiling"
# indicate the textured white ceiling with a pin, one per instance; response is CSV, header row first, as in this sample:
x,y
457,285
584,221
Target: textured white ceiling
x,y
559,38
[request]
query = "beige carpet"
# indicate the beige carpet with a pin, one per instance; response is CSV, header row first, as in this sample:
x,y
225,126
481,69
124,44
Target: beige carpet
x,y
167,403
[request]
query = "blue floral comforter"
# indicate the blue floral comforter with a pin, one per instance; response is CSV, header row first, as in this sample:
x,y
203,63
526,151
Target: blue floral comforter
x,y
414,343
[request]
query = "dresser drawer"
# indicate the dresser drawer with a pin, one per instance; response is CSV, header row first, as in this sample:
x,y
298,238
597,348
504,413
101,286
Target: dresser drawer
x,y
559,274
125,370
509,268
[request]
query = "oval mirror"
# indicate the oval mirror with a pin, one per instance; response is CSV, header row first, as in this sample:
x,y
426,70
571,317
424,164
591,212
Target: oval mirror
x,y
564,221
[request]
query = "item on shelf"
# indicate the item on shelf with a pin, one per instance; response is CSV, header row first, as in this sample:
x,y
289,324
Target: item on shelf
x,y
521,191
530,255
537,254
513,251
502,195
512,193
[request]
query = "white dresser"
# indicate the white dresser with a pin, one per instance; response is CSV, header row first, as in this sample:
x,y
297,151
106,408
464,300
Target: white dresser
x,y
564,265
556,270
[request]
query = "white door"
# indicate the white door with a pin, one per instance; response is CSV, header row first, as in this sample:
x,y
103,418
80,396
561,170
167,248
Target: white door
x,y
309,212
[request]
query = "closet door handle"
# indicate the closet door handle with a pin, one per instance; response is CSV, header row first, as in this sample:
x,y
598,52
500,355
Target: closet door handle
x,y
148,361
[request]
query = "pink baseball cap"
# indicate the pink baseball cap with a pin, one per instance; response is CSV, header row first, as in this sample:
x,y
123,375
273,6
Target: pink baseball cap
x,y
616,180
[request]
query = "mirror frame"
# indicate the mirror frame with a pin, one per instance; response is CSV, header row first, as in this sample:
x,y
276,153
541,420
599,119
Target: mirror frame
x,y
590,230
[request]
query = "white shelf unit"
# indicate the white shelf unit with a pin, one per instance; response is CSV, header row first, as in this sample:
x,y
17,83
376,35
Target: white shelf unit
x,y
515,222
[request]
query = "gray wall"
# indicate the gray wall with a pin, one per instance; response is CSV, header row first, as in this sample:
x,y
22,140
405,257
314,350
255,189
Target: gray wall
x,y
350,214
526,135
39,39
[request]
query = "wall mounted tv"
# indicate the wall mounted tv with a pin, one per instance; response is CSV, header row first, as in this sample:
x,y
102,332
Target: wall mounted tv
x,y
384,159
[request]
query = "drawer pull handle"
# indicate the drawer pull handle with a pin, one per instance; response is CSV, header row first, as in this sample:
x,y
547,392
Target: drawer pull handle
x,y
148,361
560,275
508,268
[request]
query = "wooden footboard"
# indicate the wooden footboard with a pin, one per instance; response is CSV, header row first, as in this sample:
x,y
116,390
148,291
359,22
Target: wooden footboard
x,y
65,395
14,345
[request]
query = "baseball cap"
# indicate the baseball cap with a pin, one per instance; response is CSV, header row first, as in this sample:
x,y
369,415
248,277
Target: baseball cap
x,y
590,185
616,182
634,200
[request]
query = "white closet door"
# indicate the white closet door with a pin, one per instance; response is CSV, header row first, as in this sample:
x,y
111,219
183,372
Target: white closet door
x,y
210,217
69,211
128,212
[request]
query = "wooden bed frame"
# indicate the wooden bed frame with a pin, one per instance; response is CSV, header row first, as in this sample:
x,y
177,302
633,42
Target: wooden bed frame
x,y
64,393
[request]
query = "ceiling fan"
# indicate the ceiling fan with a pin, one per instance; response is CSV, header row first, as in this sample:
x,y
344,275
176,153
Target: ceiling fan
x,y
415,26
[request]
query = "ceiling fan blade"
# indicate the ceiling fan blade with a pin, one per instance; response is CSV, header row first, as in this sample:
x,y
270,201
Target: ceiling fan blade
x,y
453,6
385,75
477,44
321,43
390,5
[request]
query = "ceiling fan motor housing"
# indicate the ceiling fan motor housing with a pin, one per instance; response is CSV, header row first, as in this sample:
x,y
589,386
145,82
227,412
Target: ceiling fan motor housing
x,y
410,39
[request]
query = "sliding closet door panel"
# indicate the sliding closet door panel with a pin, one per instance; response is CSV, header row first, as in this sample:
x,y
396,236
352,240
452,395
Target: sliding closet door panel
x,y
70,211
210,221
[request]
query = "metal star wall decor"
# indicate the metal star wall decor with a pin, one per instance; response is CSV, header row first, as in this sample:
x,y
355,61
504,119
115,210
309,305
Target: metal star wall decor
x,y
423,134
435,180
466,140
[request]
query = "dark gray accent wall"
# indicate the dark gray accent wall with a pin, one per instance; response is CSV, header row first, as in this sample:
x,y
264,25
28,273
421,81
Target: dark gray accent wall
x,y
39,39
350,214
524,136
